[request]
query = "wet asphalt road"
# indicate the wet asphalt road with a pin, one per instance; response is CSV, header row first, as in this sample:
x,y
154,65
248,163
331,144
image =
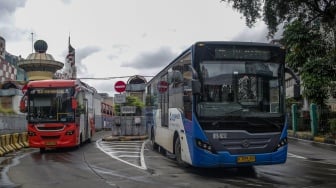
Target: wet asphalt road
x,y
132,164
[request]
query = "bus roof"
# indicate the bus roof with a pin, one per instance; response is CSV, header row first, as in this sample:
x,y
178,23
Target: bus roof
x,y
231,43
60,83
52,83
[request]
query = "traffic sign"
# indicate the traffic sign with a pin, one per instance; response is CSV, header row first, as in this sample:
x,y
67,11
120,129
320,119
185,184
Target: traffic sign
x,y
162,86
120,86
119,98
128,109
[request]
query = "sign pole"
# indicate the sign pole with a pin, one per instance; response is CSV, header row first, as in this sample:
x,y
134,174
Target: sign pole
x,y
120,86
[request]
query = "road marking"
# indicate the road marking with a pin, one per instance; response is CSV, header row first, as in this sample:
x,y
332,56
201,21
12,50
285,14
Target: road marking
x,y
122,151
295,156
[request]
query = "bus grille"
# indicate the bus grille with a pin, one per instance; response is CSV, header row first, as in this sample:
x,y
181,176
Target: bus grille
x,y
242,142
50,137
53,128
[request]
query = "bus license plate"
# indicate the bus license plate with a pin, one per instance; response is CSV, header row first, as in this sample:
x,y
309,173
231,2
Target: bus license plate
x,y
50,143
246,159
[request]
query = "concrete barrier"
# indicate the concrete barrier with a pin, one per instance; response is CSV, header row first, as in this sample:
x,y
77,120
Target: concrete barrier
x,y
6,140
3,151
9,142
24,139
15,141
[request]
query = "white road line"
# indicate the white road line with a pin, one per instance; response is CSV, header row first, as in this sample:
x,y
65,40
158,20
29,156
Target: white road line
x,y
142,166
295,156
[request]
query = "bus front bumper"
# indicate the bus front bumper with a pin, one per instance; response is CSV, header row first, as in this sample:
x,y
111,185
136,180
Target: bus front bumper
x,y
225,159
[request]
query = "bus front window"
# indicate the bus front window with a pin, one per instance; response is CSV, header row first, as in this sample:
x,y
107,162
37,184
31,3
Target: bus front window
x,y
50,105
239,87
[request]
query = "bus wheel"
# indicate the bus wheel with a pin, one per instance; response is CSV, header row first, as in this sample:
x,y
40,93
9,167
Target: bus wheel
x,y
42,150
154,145
178,155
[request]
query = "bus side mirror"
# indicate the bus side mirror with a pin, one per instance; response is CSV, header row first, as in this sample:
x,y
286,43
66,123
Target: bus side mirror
x,y
296,91
74,103
296,87
196,87
23,104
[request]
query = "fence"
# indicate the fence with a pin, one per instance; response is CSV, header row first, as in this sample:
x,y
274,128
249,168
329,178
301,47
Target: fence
x,y
12,124
128,126
304,120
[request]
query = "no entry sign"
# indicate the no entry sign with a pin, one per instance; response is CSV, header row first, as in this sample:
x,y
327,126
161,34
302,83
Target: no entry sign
x,y
120,86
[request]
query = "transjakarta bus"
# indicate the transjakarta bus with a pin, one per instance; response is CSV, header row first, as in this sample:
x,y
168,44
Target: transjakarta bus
x,y
221,104
60,113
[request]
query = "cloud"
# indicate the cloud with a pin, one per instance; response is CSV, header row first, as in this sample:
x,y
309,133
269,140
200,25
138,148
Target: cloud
x,y
66,1
152,60
82,54
8,8
7,11
13,34
252,35
257,34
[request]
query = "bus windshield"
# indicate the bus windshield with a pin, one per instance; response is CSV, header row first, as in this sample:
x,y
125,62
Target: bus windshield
x,y
240,88
50,105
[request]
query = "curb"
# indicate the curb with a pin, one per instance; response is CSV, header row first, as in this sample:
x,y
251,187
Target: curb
x,y
124,138
308,136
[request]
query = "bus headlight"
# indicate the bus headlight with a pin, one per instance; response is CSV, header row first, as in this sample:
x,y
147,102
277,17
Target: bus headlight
x,y
70,132
282,143
204,145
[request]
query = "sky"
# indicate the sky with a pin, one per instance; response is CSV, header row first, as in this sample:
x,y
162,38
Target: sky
x,y
118,38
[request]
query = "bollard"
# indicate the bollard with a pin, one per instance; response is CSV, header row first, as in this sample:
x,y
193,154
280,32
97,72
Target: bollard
x,y
313,119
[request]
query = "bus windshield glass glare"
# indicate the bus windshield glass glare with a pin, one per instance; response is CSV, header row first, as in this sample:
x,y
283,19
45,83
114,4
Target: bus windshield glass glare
x,y
50,105
239,87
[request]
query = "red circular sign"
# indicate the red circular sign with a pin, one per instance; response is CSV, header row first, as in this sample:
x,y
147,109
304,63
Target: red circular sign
x,y
120,86
162,86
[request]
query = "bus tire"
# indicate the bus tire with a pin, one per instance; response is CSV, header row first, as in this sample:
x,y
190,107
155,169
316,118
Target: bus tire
x,y
177,151
42,150
155,147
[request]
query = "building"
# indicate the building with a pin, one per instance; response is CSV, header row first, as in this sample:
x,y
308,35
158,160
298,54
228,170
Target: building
x,y
12,78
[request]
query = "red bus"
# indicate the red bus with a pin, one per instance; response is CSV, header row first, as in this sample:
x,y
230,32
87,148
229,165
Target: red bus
x,y
60,113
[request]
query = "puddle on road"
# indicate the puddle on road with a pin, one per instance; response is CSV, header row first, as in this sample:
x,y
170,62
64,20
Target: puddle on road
x,y
10,160
4,167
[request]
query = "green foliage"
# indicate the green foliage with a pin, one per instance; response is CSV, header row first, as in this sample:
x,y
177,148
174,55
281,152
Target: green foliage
x,y
249,8
277,12
6,110
131,101
332,125
307,53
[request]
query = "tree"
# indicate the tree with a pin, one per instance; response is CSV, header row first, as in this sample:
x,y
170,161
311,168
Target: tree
x,y
278,12
309,37
131,101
